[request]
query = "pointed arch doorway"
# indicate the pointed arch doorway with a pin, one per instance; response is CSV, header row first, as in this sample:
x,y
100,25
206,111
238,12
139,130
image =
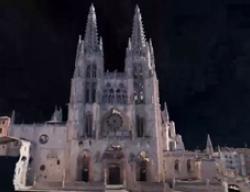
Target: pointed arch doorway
x,y
114,174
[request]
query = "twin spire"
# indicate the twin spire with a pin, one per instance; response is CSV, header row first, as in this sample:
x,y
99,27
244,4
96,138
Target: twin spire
x,y
138,36
91,36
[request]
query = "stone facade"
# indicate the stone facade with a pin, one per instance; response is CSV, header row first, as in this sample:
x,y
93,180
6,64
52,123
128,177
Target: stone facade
x,y
116,136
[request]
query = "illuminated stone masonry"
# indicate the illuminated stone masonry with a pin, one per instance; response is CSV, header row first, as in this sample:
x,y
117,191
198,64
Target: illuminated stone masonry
x,y
116,137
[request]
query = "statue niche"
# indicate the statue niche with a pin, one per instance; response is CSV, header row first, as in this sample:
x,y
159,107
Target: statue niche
x,y
115,124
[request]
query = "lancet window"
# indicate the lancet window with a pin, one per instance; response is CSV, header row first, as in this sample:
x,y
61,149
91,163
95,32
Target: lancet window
x,y
111,95
176,165
121,94
139,126
93,92
142,171
118,95
91,71
189,166
90,87
171,145
94,71
88,72
138,84
88,125
87,92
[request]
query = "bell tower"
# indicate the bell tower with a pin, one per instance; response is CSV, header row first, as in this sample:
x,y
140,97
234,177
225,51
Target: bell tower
x,y
144,88
139,63
86,81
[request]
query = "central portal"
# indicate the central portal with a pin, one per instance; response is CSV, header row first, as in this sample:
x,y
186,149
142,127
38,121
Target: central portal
x,y
114,175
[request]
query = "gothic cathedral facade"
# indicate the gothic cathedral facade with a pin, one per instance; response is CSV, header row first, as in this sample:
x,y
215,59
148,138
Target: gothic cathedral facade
x,y
116,132
115,117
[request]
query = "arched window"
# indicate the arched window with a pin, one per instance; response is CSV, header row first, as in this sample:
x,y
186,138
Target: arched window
x,y
87,92
142,171
169,132
189,166
124,97
88,125
105,96
93,92
138,70
171,146
140,126
138,87
122,94
118,96
106,93
176,165
88,72
111,96
94,71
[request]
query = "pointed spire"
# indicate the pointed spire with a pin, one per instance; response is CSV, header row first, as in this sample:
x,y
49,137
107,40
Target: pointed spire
x,y
165,110
79,40
56,116
151,47
13,117
219,151
78,54
209,146
138,36
101,45
151,50
151,53
129,43
91,36
180,143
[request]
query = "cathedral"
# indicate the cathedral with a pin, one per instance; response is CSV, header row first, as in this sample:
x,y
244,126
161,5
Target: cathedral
x,y
116,137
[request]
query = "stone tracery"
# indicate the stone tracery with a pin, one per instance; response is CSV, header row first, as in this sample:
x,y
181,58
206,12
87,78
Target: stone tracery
x,y
115,124
115,94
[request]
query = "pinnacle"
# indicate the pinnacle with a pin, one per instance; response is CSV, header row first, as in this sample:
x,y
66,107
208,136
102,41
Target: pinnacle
x,y
129,43
101,44
209,140
209,146
138,37
92,8
137,9
91,37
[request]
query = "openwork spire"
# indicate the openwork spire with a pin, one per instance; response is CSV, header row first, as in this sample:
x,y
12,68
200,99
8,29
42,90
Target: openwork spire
x,y
209,147
91,36
165,111
138,37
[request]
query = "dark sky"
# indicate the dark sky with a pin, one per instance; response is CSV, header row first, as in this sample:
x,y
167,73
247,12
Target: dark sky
x,y
202,52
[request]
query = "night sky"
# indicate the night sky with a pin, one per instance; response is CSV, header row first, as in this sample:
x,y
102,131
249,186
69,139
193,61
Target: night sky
x,y
202,53
202,58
